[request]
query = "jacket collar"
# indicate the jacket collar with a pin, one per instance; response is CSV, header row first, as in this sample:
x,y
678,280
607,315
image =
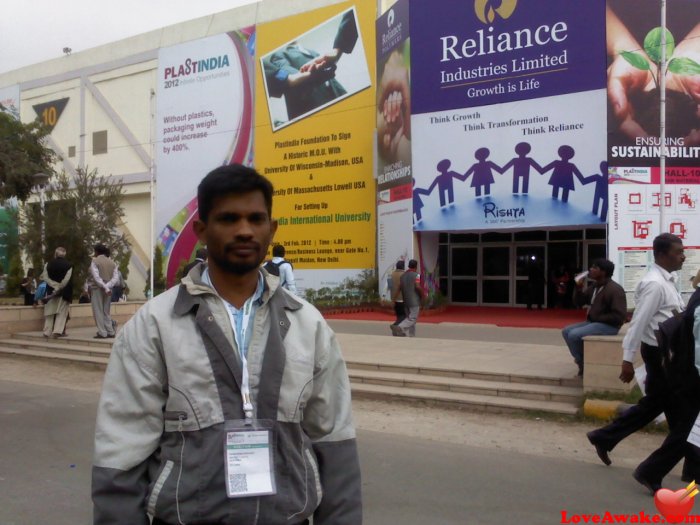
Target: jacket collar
x,y
192,288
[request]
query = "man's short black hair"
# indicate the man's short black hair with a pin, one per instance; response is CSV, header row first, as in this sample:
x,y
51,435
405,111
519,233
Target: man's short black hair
x,y
412,264
605,266
232,178
201,253
278,250
101,249
400,265
663,243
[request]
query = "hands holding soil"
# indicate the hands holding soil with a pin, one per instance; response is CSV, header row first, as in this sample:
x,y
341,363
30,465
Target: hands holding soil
x,y
633,90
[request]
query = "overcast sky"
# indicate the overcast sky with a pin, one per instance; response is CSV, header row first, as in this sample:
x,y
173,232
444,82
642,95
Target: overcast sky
x,y
32,31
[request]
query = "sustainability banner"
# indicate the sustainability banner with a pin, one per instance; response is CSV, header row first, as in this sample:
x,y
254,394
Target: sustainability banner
x,y
634,144
203,120
314,117
508,123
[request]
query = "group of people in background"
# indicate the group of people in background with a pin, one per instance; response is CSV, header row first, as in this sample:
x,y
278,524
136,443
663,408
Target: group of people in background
x,y
668,387
54,291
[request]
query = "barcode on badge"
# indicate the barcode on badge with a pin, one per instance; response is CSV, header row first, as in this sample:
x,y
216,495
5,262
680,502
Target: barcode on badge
x,y
238,483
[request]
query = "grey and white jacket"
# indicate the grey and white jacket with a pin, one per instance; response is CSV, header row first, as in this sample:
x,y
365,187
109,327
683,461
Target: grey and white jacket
x,y
172,381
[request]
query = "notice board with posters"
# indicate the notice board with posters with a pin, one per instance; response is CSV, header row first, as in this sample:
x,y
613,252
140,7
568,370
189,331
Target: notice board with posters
x,y
634,144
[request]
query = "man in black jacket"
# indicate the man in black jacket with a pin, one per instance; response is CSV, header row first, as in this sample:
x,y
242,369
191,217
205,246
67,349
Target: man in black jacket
x,y
607,308
683,376
59,293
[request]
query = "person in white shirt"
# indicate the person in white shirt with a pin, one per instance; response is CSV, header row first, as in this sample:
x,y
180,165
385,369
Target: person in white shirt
x,y
656,299
282,268
103,275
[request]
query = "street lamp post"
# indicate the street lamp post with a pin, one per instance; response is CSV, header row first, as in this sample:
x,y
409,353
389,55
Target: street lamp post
x,y
40,180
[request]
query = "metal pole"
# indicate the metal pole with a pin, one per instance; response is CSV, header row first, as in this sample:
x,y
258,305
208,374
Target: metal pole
x,y
43,221
662,122
152,190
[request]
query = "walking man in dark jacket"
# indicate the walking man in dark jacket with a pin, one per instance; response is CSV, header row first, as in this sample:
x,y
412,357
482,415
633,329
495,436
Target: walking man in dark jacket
x,y
412,292
607,309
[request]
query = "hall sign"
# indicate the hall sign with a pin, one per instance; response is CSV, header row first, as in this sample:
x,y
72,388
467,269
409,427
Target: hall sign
x,y
50,112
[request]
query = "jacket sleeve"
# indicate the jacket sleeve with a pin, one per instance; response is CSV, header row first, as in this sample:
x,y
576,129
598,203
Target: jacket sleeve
x,y
128,429
346,37
277,69
328,422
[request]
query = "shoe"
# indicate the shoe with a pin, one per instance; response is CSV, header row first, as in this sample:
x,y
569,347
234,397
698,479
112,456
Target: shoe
x,y
653,487
98,336
602,453
580,370
687,478
394,329
54,336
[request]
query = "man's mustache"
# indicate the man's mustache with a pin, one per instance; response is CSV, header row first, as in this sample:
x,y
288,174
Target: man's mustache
x,y
235,245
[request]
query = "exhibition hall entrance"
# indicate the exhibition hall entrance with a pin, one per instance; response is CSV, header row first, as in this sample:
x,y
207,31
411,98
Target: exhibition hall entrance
x,y
506,269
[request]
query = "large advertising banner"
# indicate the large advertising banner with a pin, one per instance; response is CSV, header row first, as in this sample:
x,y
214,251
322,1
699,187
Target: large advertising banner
x,y
508,123
634,144
394,170
9,99
315,118
203,120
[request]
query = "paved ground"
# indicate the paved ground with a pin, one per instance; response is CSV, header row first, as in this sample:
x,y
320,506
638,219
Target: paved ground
x,y
419,465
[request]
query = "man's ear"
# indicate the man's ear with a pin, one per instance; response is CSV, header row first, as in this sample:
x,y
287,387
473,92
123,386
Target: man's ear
x,y
200,227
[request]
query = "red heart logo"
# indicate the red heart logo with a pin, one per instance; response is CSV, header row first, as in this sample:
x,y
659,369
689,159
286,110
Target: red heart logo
x,y
674,506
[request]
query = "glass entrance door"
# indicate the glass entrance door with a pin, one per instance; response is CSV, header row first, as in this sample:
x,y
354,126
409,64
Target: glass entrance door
x,y
496,273
530,275
464,266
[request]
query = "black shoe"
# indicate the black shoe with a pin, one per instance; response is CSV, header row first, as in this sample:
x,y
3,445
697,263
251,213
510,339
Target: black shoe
x,y
98,336
653,487
602,453
687,478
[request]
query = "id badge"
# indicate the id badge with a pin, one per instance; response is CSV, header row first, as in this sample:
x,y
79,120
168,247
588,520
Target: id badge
x,y
249,458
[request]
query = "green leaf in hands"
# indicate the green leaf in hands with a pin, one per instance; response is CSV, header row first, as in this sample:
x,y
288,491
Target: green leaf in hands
x,y
652,44
684,66
636,59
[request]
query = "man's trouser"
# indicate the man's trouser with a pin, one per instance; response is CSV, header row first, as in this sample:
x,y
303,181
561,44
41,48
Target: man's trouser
x,y
101,302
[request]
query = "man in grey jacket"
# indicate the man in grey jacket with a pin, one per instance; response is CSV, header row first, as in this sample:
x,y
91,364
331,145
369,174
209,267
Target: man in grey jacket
x,y
226,399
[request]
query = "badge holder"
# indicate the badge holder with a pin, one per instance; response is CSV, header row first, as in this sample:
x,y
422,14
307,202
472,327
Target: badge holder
x,y
249,458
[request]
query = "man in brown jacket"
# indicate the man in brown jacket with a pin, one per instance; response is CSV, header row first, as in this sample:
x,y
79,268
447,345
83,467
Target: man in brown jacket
x,y
607,308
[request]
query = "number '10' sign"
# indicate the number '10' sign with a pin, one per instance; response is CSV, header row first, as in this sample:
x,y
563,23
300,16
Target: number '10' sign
x,y
50,112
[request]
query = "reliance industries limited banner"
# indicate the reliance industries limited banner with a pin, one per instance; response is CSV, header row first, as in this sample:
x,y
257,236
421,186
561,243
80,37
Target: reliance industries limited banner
x,y
203,120
634,144
508,122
